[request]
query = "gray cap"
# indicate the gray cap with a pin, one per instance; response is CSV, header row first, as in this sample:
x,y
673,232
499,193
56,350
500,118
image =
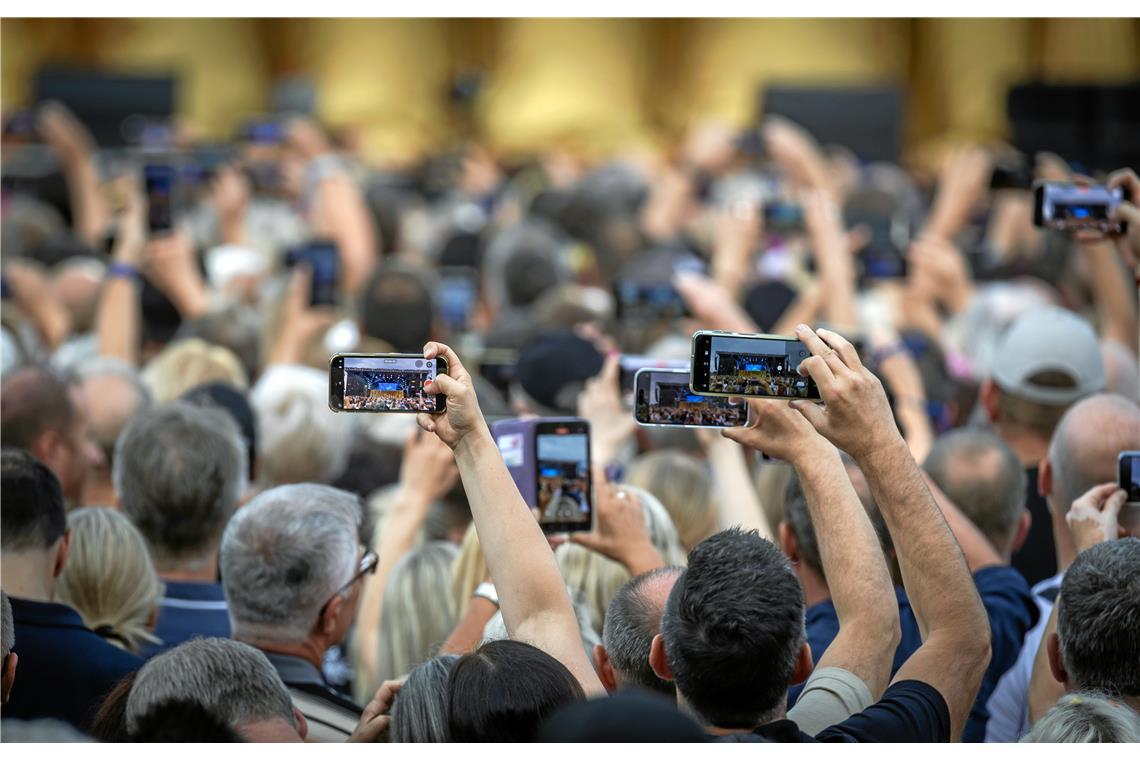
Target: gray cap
x,y
1043,340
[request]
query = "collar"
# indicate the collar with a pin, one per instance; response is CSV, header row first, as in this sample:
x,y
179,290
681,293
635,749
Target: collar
x,y
296,670
28,612
197,591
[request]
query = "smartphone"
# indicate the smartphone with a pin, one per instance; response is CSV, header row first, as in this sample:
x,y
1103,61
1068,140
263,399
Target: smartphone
x,y
384,383
648,302
1128,474
323,260
663,398
883,257
1068,207
735,364
1013,176
783,217
265,131
549,460
159,182
457,296
629,366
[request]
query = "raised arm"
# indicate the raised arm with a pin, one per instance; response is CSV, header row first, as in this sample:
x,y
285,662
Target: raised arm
x,y
76,151
857,418
736,493
852,557
118,315
532,595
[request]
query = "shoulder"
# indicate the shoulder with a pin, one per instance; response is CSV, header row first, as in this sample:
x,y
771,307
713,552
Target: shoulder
x,y
329,715
910,711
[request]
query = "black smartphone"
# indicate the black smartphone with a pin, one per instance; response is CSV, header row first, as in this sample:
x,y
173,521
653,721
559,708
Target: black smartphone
x,y
563,485
323,260
883,257
648,302
662,397
159,180
736,364
1069,207
1128,474
456,297
629,365
783,217
1012,176
384,383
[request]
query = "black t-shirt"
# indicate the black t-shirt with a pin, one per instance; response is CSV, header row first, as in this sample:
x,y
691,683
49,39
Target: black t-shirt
x,y
1037,558
910,711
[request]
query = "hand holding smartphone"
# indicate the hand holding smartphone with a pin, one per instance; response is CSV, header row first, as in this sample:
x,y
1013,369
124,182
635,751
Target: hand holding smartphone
x,y
549,460
1072,207
323,259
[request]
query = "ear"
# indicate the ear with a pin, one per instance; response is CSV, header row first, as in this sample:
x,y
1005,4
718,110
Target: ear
x,y
152,619
46,446
1024,522
326,626
605,668
804,666
657,659
988,397
63,549
1056,663
8,677
302,724
1045,478
787,539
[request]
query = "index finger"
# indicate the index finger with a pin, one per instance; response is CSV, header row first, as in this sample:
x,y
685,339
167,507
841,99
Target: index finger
x,y
1097,495
819,371
842,347
454,366
1125,178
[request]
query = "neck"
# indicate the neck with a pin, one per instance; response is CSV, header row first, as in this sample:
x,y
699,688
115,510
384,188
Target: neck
x,y
27,575
1062,539
203,570
1029,446
310,650
815,587
99,492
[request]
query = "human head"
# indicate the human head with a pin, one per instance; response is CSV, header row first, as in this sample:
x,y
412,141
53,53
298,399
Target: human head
x,y
985,480
285,556
553,369
1086,719
234,402
33,526
1047,360
182,720
110,578
684,486
187,363
419,714
732,636
234,681
236,328
8,658
47,415
1098,623
522,264
180,473
117,394
417,614
633,619
396,306
503,691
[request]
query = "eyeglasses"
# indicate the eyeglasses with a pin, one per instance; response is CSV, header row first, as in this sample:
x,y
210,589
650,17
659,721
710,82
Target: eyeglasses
x,y
368,565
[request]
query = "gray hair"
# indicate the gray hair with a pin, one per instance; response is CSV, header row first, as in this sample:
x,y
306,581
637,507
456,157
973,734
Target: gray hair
x,y
180,471
232,680
632,620
420,711
983,477
1086,719
1083,450
283,557
7,627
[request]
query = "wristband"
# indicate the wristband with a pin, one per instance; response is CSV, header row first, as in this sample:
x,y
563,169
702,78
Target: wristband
x,y
122,269
487,591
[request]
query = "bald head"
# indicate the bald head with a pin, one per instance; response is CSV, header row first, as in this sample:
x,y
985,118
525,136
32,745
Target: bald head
x,y
1085,445
116,394
632,620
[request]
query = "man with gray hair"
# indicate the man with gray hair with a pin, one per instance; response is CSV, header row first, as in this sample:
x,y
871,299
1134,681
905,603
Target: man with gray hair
x,y
633,618
1082,454
116,395
232,680
292,566
180,472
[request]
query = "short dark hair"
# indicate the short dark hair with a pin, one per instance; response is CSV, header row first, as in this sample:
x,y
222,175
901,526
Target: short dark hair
x,y
632,621
34,400
504,690
733,629
984,479
182,720
1099,619
396,306
528,274
34,515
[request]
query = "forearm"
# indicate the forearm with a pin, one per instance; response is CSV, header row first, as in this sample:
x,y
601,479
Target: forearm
x,y
87,205
117,319
469,631
1113,293
739,502
348,224
803,310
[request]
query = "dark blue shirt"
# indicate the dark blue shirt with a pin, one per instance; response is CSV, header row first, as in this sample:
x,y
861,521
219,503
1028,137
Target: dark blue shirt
x,y
188,610
65,669
1011,610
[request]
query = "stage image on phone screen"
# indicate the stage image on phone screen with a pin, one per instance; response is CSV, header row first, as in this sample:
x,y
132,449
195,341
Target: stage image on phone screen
x,y
388,384
159,182
456,296
1076,207
758,367
563,477
664,398
629,365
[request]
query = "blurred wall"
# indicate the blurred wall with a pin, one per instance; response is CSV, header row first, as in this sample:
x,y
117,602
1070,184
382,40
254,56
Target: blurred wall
x,y
587,85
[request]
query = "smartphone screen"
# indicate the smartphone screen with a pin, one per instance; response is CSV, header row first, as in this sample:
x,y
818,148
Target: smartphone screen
x,y
159,184
1129,475
628,367
384,383
663,397
323,260
749,365
1066,207
562,470
456,297
781,216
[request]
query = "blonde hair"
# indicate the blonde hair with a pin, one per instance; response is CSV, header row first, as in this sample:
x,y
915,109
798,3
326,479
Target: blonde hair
x,y
109,577
684,486
188,364
467,571
594,579
417,614
772,486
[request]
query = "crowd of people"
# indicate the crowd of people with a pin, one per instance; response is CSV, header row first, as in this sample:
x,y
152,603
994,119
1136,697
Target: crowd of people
x,y
195,547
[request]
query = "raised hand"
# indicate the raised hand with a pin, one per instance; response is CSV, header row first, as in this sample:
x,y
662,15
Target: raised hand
x,y
300,323
462,416
600,403
428,467
376,720
1093,518
620,532
778,430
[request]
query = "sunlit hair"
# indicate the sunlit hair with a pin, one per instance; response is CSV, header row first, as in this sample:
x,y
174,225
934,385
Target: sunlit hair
x,y
684,486
1086,719
468,571
188,364
109,577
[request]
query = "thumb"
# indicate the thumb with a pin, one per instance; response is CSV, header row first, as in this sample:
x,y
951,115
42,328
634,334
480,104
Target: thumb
x,y
812,412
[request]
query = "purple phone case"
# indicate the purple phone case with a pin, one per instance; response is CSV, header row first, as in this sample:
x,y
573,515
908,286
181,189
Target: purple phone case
x,y
523,470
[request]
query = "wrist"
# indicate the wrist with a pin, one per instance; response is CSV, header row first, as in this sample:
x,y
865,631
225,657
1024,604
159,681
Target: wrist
x,y
475,445
642,558
883,454
122,269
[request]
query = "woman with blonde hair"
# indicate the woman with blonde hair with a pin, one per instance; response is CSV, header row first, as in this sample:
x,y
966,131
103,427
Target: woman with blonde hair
x,y
684,486
189,363
109,578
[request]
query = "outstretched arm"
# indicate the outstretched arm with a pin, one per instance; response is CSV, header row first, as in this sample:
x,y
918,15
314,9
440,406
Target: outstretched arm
x,y
857,418
532,594
852,557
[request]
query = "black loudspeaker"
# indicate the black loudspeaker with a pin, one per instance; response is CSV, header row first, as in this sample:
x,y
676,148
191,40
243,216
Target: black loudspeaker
x,y
105,102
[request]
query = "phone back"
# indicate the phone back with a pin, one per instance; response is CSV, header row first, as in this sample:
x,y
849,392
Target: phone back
x,y
515,439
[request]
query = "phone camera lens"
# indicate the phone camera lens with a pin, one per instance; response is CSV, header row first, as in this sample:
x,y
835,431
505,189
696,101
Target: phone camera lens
x,y
419,363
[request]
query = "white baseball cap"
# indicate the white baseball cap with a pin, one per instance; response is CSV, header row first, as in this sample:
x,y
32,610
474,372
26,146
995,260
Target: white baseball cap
x,y
1049,339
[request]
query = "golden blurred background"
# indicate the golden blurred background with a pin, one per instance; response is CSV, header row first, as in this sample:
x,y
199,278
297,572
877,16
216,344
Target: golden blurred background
x,y
590,86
